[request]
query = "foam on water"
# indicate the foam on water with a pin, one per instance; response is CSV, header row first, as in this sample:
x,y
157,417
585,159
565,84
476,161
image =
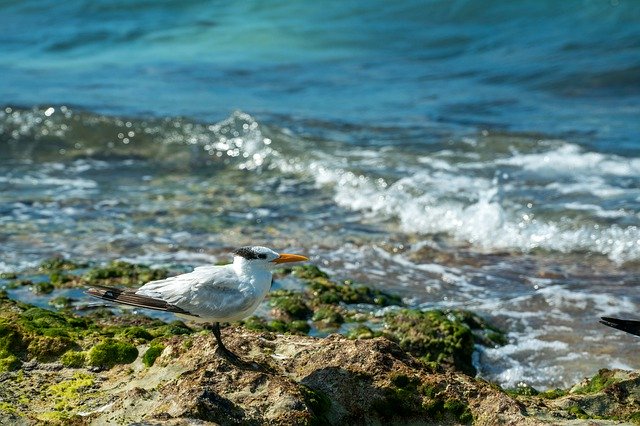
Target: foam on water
x,y
514,209
495,193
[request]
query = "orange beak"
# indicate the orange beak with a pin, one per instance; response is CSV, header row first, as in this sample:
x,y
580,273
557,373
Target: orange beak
x,y
284,258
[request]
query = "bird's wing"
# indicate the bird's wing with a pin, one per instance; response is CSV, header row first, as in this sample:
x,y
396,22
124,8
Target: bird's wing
x,y
630,326
130,298
204,284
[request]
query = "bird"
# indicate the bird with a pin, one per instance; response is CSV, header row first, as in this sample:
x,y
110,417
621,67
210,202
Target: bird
x,y
630,326
209,294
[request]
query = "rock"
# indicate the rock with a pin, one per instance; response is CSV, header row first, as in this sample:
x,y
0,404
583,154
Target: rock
x,y
400,366
303,380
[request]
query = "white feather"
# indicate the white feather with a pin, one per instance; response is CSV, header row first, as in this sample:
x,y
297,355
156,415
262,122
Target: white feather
x,y
216,293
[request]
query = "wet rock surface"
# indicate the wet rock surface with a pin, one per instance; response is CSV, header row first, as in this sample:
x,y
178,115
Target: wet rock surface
x,y
390,365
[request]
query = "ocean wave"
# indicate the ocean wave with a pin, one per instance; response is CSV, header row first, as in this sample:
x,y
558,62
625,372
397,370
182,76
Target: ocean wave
x,y
505,192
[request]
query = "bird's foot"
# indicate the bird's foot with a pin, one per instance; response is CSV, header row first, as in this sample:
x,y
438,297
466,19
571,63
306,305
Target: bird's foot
x,y
238,362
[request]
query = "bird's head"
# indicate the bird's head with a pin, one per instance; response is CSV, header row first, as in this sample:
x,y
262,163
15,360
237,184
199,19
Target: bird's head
x,y
264,255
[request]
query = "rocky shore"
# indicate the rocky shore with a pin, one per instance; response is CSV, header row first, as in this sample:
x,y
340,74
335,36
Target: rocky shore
x,y
369,360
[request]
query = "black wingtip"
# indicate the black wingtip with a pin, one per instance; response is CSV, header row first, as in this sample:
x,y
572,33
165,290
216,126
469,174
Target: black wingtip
x,y
628,326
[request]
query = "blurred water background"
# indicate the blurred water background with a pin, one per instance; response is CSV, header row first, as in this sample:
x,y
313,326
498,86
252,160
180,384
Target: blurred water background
x,y
473,154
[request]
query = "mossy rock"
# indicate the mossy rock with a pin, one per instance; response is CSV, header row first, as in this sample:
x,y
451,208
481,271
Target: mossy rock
x,y
58,278
289,305
361,331
329,292
28,332
150,355
174,328
433,337
74,359
256,323
328,317
308,272
37,333
322,290
523,389
112,352
408,397
8,276
48,348
124,273
319,403
43,287
64,393
60,264
136,333
484,333
600,381
61,302
449,410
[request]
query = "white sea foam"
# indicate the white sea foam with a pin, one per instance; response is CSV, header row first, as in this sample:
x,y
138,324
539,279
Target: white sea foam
x,y
570,159
460,200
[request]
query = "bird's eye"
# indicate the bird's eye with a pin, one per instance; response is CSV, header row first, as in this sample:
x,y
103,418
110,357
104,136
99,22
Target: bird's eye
x,y
262,256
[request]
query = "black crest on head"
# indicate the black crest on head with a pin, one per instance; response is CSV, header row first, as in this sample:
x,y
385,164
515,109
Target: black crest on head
x,y
249,253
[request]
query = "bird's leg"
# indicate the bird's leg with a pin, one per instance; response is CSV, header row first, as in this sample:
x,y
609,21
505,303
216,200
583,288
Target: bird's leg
x,y
230,356
226,353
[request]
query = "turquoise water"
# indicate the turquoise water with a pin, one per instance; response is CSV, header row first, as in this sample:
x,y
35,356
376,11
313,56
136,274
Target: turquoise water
x,y
480,154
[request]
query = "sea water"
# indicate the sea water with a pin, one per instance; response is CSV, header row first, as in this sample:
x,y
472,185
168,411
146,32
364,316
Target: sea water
x,y
473,154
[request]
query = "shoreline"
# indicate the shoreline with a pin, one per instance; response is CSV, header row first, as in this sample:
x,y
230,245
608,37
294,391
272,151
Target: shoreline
x,y
409,365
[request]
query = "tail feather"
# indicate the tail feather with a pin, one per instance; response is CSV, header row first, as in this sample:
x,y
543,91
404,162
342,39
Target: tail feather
x,y
630,326
127,297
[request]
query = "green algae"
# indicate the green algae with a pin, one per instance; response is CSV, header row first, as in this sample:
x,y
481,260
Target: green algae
x,y
634,418
59,278
319,403
289,304
449,409
306,272
74,359
60,264
112,352
136,333
150,355
8,408
37,333
174,328
322,290
8,276
18,283
522,389
9,362
408,397
10,346
362,332
602,380
578,412
552,393
330,292
28,332
61,302
124,273
327,317
43,287
256,323
484,333
66,395
433,337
